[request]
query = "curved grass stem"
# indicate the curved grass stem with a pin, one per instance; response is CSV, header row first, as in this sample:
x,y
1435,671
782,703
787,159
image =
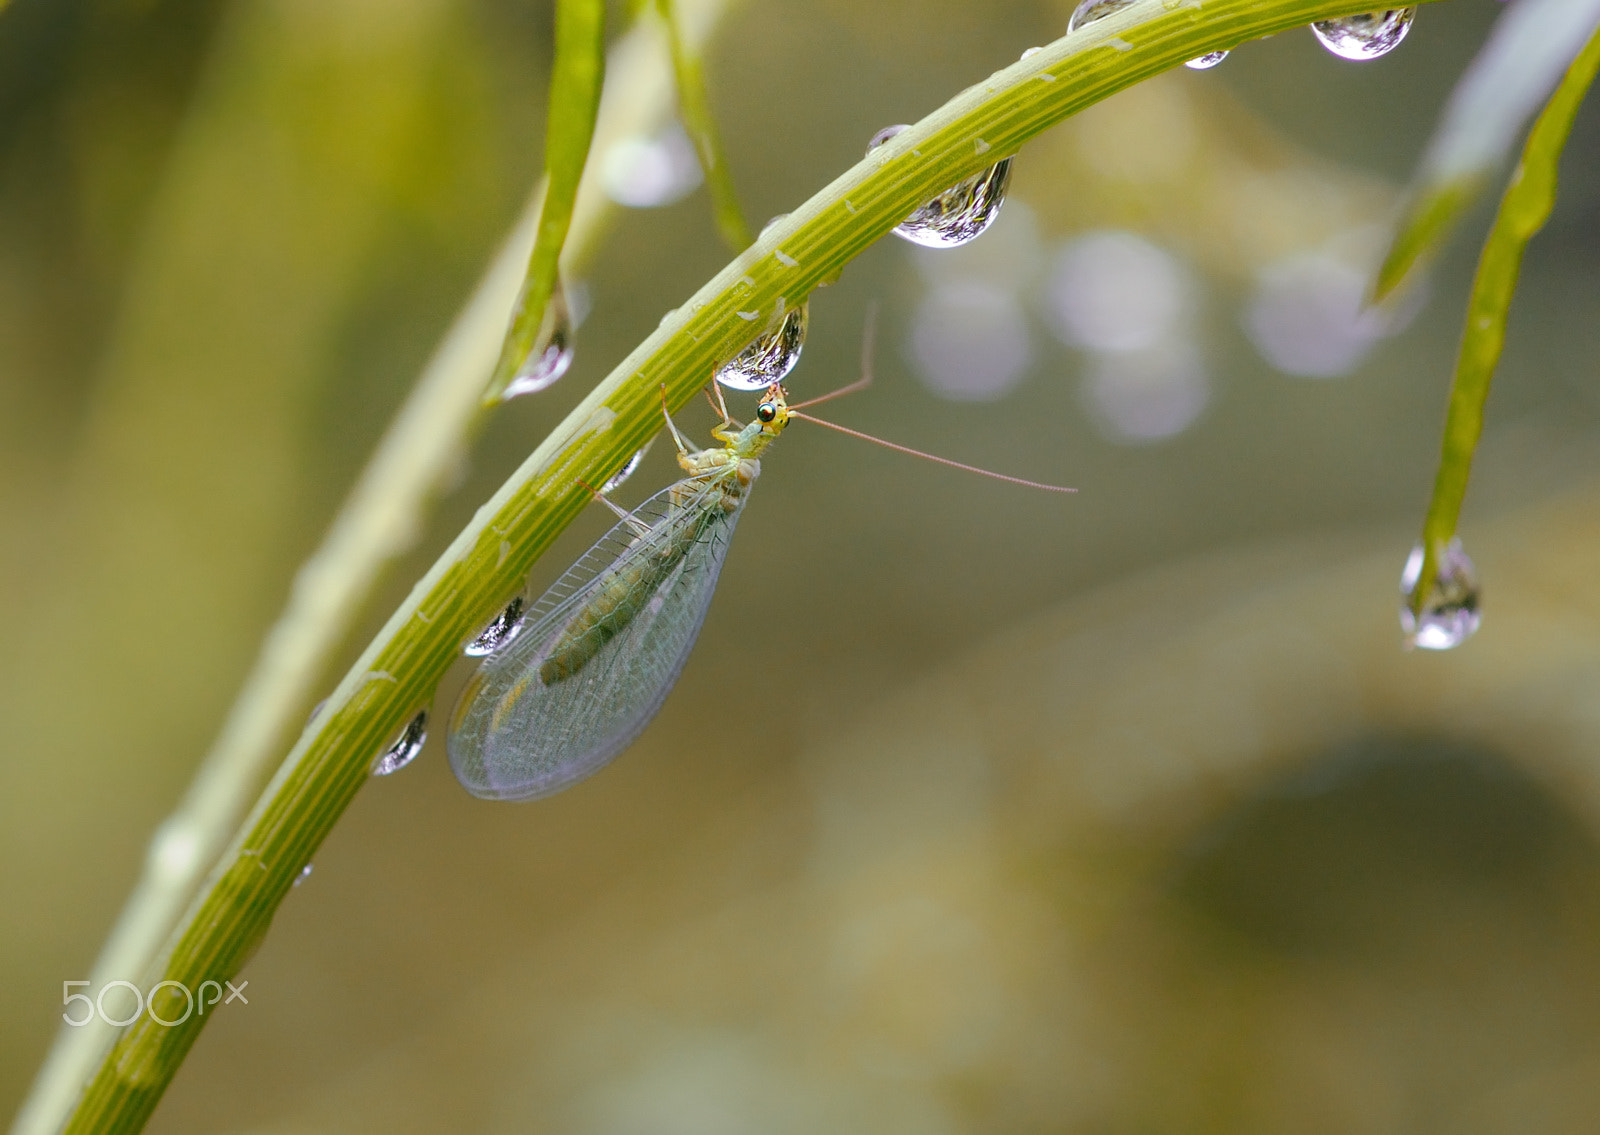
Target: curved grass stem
x,y
443,413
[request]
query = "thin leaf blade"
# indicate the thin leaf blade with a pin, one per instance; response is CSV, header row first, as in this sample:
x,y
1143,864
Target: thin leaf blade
x,y
576,77
1531,47
1526,205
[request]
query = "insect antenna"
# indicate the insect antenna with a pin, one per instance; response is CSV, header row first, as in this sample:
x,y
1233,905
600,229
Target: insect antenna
x,y
793,413
869,335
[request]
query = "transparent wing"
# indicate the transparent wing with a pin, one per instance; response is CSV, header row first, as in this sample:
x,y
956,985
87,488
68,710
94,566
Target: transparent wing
x,y
516,736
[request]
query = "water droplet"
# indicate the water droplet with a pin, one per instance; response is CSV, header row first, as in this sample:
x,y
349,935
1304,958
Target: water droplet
x,y
766,228
552,351
1366,36
505,627
771,356
406,747
1207,61
316,711
1450,614
1031,52
1091,10
305,873
959,214
615,480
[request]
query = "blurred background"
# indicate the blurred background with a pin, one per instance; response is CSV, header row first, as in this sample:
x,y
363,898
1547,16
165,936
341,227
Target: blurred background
x,y
976,809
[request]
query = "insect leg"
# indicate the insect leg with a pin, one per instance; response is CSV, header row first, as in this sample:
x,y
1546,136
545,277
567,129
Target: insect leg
x,y
672,427
639,527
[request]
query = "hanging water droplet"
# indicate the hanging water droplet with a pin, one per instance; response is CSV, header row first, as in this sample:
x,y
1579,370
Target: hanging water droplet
x,y
771,356
506,626
960,213
1366,36
1450,615
621,475
1091,10
405,749
305,873
552,352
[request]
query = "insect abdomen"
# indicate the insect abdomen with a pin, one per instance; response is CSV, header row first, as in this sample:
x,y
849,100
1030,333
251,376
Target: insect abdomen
x,y
609,612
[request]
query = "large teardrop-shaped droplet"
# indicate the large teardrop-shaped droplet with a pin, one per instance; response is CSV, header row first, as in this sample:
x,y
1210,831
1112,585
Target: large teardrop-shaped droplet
x,y
406,747
505,627
552,352
960,213
628,469
1366,36
771,356
1450,613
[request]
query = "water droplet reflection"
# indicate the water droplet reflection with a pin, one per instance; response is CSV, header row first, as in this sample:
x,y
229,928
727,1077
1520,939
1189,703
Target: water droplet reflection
x,y
1207,61
1366,36
1308,316
505,627
1450,615
628,469
1091,10
644,173
305,873
771,356
1116,291
552,353
962,212
406,747
175,851
1147,395
969,341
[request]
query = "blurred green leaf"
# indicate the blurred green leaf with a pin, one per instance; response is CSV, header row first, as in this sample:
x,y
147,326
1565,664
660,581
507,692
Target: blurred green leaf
x,y
1523,211
576,76
695,108
1530,47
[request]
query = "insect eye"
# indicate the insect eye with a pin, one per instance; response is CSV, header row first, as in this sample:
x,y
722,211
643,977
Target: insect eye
x,y
766,411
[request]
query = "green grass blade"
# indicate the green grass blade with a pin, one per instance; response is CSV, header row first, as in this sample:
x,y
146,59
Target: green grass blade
x,y
1524,209
420,450
575,80
1532,44
399,670
695,107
